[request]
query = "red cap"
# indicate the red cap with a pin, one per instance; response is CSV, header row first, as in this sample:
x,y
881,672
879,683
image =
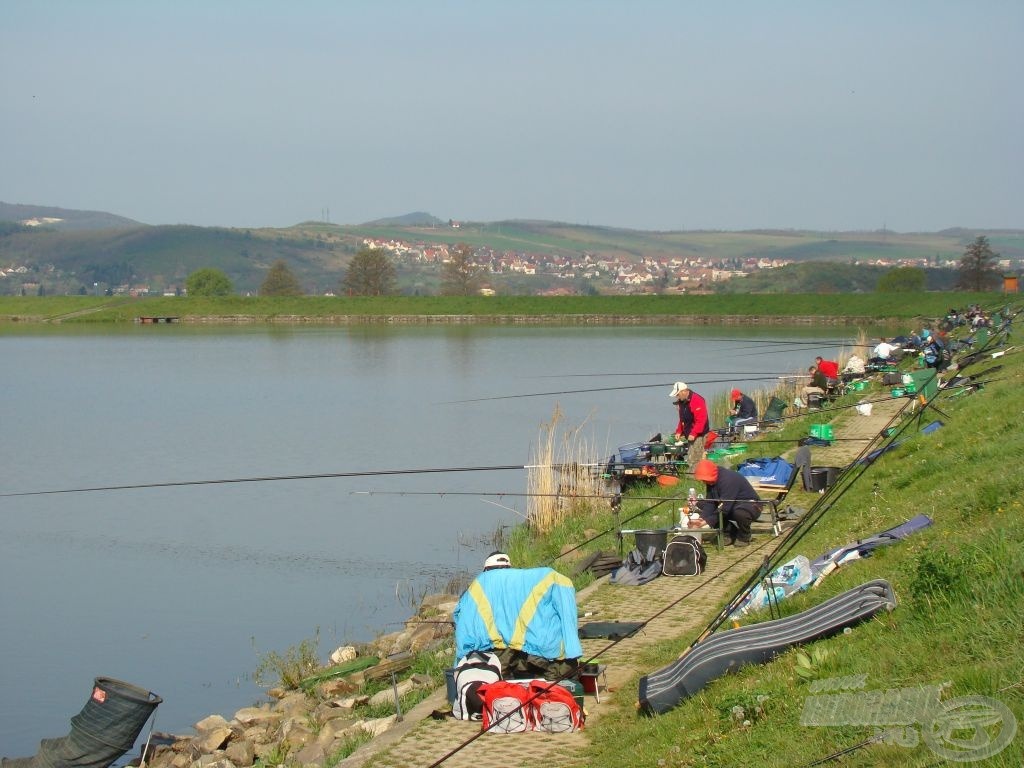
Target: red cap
x,y
735,394
706,471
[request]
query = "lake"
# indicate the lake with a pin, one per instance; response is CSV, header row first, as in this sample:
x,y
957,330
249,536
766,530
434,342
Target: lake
x,y
180,588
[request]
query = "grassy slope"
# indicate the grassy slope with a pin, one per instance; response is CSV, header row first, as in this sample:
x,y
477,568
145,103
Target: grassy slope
x,y
117,309
960,618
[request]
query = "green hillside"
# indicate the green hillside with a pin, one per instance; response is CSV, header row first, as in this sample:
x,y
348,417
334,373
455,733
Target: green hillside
x,y
85,252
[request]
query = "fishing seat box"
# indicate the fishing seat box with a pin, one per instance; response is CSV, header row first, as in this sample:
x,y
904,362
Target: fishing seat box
x,y
822,431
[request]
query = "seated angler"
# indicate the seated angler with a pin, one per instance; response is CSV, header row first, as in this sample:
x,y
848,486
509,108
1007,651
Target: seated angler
x,y
830,368
732,495
744,410
526,616
883,353
814,391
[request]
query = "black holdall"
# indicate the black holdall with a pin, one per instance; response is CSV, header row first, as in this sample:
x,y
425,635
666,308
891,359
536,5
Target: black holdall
x,y
684,556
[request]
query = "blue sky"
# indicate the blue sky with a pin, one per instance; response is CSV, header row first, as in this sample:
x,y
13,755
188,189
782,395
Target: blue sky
x,y
642,114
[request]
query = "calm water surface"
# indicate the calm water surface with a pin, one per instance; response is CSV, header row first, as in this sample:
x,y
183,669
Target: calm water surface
x,y
179,589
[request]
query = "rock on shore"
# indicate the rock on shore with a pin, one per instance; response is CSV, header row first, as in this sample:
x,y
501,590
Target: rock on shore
x,y
310,728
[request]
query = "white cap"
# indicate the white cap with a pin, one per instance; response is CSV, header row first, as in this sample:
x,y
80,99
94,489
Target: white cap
x,y
497,560
678,389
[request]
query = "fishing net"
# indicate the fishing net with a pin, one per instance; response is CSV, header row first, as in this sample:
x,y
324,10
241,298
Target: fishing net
x,y
105,729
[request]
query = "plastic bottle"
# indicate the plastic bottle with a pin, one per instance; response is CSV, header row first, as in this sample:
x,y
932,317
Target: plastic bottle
x,y
691,499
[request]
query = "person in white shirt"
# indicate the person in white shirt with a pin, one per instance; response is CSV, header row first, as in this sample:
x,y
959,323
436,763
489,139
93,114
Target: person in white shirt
x,y
882,353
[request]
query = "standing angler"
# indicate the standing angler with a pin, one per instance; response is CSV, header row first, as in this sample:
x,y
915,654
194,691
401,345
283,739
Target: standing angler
x,y
693,419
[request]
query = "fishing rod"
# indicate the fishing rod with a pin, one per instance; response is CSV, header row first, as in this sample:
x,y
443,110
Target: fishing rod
x,y
274,478
736,377
809,342
768,352
666,373
612,497
847,750
317,476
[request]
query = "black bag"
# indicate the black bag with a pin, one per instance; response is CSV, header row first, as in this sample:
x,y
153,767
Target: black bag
x,y
474,669
684,556
639,567
890,379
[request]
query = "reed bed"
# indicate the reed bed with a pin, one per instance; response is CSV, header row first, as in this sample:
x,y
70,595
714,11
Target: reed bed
x,y
562,477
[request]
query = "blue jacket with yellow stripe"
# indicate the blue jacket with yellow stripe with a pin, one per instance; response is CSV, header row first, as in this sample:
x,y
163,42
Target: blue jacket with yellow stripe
x,y
528,609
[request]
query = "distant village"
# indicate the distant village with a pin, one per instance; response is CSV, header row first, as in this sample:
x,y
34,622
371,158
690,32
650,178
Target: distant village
x,y
675,273
670,273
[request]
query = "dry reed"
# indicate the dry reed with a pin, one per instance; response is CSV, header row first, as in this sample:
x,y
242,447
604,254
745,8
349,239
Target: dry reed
x,y
562,477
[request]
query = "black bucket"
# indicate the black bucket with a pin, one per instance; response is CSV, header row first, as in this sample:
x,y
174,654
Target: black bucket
x,y
652,538
823,477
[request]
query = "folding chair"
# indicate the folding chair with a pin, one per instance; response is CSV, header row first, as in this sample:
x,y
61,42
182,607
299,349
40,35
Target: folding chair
x,y
773,413
772,504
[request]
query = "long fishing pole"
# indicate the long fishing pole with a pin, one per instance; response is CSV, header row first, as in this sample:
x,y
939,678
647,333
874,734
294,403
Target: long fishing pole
x,y
502,494
808,342
271,478
737,377
666,373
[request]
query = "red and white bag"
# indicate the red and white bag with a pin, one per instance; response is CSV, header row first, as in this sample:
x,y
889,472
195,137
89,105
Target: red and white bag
x,y
506,707
553,708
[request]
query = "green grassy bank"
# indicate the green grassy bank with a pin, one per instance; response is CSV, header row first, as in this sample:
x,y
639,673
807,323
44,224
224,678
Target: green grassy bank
x,y
959,623
832,308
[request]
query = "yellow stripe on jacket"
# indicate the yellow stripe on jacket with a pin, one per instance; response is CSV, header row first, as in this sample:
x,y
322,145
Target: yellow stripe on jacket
x,y
530,604
483,607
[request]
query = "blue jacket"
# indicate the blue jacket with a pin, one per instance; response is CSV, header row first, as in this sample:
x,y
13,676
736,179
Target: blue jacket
x,y
528,609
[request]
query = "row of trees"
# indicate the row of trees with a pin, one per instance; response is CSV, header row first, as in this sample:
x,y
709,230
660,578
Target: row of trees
x,y
371,273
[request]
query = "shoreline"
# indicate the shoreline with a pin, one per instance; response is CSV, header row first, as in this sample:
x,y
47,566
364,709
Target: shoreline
x,y
584,319
471,319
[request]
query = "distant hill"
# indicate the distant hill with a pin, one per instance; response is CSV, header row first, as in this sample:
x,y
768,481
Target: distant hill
x,y
64,219
68,251
415,219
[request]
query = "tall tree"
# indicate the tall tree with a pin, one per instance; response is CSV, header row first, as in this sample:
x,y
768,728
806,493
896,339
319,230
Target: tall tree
x,y
460,276
280,281
208,282
370,273
978,266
